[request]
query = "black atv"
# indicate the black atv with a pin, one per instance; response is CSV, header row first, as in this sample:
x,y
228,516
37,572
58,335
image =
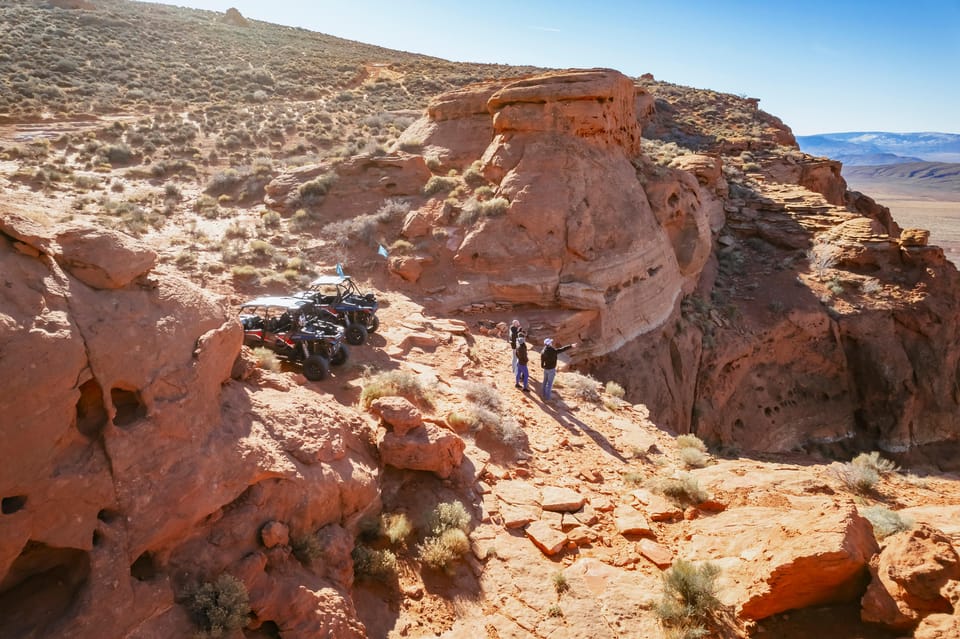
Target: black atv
x,y
290,327
339,300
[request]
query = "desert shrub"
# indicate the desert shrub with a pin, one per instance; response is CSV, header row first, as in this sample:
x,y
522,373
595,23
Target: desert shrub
x,y
503,429
691,441
440,551
876,462
244,273
693,457
394,383
615,389
316,188
392,209
439,184
886,522
682,489
857,477
117,154
260,248
448,515
223,181
374,563
581,386
560,583
266,359
271,219
220,606
689,598
396,526
360,228
633,478
473,177
484,395
401,246
306,548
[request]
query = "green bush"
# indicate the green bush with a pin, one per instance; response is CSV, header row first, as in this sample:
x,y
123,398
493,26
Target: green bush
x,y
689,601
220,606
316,188
886,522
394,383
560,583
484,395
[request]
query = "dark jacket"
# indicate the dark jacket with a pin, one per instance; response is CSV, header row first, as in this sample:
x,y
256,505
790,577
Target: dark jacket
x,y
548,356
514,331
522,354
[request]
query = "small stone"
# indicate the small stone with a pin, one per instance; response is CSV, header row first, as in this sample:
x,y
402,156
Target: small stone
x,y
630,521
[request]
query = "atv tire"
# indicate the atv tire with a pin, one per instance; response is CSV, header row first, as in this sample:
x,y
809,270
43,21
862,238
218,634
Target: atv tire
x,y
316,368
340,357
373,325
356,334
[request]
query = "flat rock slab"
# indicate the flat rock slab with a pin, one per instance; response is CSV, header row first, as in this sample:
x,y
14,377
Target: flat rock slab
x,y
659,555
546,538
657,507
561,500
630,521
517,515
514,491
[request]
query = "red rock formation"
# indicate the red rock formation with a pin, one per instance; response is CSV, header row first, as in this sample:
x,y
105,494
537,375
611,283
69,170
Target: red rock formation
x,y
136,468
908,578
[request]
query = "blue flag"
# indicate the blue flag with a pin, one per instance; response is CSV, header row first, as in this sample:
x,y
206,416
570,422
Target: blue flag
x,y
382,250
339,269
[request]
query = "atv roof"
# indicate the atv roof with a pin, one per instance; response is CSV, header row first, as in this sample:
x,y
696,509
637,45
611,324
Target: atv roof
x,y
330,280
277,300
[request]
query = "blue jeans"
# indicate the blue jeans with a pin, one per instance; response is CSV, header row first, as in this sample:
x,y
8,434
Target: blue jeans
x,y
523,374
548,376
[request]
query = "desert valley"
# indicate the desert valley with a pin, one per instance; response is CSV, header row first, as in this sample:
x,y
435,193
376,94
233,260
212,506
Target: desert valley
x,y
754,433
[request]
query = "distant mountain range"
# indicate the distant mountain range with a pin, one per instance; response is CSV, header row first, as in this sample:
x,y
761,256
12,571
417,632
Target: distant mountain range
x,y
874,148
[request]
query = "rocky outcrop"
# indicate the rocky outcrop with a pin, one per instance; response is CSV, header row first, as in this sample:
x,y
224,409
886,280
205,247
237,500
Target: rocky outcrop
x,y
777,559
138,468
909,578
592,240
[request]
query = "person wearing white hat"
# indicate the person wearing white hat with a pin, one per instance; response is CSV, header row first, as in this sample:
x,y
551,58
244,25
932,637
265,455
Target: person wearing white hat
x,y
548,362
515,330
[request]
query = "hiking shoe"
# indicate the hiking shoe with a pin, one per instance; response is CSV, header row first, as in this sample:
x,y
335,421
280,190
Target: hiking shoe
x,y
516,385
526,390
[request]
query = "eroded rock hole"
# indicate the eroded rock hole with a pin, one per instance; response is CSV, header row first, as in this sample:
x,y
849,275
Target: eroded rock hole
x,y
107,516
10,505
129,406
91,413
40,588
144,568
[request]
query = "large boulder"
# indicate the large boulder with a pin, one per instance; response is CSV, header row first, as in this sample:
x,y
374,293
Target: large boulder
x,y
774,559
429,448
908,578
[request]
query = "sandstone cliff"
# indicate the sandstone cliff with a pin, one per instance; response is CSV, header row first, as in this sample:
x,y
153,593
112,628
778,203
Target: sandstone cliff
x,y
135,468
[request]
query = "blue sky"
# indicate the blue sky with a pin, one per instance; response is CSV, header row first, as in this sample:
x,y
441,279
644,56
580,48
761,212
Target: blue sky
x,y
821,66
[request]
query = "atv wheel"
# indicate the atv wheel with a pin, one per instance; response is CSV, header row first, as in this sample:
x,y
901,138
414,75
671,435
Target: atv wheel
x,y
356,334
316,368
340,356
373,325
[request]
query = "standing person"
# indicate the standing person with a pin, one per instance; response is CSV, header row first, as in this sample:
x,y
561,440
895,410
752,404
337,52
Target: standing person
x,y
548,362
515,331
523,373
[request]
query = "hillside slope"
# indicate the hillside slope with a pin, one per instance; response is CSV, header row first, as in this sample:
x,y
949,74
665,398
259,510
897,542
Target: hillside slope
x,y
867,147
